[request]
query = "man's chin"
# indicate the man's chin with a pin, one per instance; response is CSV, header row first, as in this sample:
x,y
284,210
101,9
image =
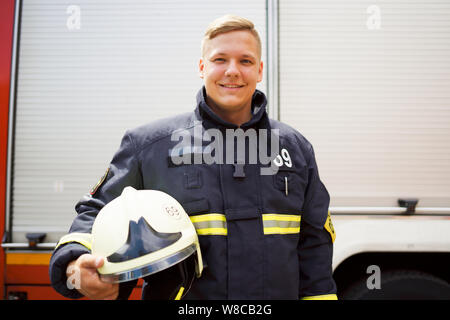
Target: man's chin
x,y
227,103
230,105
231,102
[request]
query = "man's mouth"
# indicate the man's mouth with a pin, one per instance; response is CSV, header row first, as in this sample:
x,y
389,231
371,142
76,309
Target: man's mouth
x,y
231,86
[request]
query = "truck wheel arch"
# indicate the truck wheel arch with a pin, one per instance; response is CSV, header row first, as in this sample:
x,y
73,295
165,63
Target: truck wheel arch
x,y
427,270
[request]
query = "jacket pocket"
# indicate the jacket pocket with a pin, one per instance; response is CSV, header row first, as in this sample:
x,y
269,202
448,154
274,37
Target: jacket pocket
x,y
290,186
196,206
284,178
192,179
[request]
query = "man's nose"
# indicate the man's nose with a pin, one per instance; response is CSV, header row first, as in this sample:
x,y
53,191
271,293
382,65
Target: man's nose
x,y
232,69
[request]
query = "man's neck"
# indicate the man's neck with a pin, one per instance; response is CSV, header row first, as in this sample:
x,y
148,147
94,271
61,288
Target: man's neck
x,y
237,117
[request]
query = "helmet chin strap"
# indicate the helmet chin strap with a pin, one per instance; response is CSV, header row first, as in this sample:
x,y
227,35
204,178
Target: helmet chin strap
x,y
187,279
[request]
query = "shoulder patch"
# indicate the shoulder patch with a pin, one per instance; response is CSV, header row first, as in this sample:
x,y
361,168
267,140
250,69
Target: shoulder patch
x,y
99,183
329,227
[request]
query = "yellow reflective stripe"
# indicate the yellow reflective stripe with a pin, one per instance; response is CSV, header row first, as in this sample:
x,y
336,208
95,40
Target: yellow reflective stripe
x,y
212,231
278,230
210,224
179,294
216,223
281,223
208,217
84,239
321,297
281,217
329,227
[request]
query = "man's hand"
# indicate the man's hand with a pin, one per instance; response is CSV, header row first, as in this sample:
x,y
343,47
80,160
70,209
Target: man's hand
x,y
90,284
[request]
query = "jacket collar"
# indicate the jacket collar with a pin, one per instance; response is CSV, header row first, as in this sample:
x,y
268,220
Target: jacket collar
x,y
259,103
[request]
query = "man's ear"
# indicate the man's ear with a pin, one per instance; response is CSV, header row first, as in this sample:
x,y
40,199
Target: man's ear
x,y
260,72
201,68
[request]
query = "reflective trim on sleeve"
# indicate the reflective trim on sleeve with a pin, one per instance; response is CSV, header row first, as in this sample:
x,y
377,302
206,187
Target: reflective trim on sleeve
x,y
179,294
329,227
281,223
210,224
321,297
84,239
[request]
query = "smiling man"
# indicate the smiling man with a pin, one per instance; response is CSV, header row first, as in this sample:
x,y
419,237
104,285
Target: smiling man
x,y
231,67
261,236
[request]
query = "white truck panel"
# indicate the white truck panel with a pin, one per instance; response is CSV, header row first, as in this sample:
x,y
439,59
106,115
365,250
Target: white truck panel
x,y
358,234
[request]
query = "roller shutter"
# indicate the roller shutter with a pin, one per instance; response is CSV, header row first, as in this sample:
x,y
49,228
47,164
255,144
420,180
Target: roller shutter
x,y
87,71
368,83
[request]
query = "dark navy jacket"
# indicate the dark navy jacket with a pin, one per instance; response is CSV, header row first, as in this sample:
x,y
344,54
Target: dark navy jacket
x,y
272,239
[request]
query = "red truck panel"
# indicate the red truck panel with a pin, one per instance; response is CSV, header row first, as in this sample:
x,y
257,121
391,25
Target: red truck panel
x,y
6,33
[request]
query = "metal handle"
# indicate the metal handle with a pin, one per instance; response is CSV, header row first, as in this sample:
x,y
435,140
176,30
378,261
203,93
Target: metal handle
x,y
23,245
388,210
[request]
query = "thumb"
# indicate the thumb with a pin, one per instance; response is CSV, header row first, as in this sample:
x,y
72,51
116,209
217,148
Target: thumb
x,y
99,262
91,261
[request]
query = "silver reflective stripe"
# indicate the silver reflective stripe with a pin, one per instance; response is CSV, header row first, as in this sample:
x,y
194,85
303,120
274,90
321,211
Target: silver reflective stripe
x,y
281,223
210,224
216,224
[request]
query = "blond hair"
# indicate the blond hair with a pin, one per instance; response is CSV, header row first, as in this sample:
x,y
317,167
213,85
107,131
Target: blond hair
x,y
229,23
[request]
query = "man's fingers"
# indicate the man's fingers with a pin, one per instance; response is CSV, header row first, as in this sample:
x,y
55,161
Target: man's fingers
x,y
103,291
113,293
94,288
91,284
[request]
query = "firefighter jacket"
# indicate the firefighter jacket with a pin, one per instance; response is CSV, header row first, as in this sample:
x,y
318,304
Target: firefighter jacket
x,y
262,236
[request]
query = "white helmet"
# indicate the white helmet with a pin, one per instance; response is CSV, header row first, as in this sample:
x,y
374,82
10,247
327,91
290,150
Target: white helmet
x,y
142,232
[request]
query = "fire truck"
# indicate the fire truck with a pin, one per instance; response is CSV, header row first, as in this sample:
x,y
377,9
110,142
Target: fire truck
x,y
367,83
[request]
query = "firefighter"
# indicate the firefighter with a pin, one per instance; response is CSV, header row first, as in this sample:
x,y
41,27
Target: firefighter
x,y
264,227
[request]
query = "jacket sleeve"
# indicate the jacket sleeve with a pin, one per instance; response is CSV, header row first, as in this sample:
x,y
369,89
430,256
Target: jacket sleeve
x,y
124,170
315,247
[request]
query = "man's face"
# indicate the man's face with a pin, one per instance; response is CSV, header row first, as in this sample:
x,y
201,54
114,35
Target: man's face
x,y
231,68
